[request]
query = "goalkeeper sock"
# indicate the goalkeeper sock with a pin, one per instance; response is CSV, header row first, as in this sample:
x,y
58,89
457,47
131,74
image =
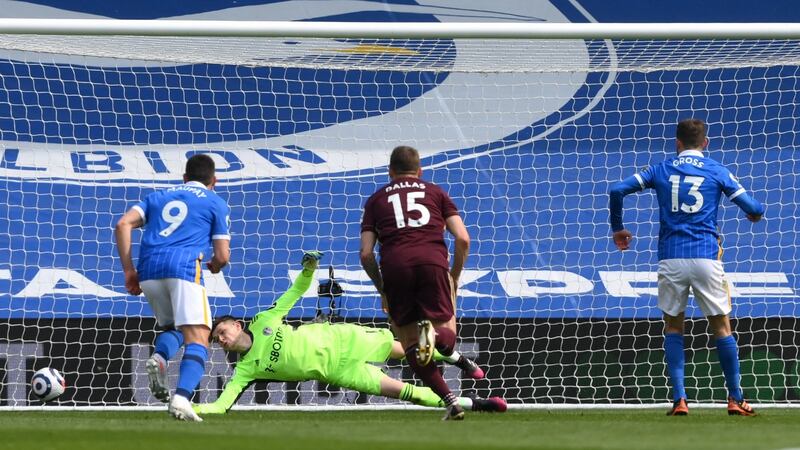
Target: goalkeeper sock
x,y
430,375
729,360
424,396
451,359
168,343
193,366
445,341
673,353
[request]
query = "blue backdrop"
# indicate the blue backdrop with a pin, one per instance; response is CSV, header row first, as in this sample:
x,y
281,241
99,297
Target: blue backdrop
x,y
530,206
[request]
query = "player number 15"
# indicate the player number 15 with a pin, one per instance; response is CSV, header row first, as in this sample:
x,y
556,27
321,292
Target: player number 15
x,y
411,205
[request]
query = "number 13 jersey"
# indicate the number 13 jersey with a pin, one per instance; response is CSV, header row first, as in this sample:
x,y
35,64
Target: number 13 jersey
x,y
689,188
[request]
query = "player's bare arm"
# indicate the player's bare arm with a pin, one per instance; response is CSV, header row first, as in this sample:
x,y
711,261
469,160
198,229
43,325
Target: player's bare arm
x,y
368,261
222,255
456,227
622,239
122,232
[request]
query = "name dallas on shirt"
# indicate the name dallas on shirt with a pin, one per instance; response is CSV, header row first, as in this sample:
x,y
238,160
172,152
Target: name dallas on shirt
x,y
405,184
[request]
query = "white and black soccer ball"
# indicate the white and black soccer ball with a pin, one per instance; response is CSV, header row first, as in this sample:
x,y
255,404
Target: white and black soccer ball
x,y
47,384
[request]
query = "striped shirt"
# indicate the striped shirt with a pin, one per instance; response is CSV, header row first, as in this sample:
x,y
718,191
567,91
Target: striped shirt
x,y
689,188
180,223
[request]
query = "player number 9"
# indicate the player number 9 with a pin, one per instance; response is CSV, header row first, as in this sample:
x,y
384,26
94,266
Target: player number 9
x,y
174,220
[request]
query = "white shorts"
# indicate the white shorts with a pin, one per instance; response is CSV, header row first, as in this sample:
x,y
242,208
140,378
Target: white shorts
x,y
177,302
704,276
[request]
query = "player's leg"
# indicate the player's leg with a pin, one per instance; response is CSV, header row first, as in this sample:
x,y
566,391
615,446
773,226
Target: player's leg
x,y
673,293
193,318
674,355
468,367
710,288
369,379
728,353
405,287
445,349
424,396
167,343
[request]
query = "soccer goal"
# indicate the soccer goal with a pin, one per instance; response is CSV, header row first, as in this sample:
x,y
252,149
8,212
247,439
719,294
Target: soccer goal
x,y
525,125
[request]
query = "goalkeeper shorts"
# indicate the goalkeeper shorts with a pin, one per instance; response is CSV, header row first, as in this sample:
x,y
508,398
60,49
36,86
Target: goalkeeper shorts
x,y
177,302
358,347
707,281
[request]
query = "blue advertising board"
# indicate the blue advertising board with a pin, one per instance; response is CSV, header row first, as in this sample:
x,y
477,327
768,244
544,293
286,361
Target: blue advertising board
x,y
300,150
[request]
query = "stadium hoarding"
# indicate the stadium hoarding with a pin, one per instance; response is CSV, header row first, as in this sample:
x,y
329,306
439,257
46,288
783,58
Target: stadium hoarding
x,y
567,361
546,302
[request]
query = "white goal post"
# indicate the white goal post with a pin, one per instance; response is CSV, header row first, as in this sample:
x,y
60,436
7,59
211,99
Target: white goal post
x,y
526,125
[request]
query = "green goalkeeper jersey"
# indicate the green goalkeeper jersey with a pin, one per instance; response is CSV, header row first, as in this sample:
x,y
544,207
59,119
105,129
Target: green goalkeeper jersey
x,y
279,351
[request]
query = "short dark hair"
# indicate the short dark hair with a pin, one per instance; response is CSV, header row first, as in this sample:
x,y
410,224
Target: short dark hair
x,y
219,320
691,133
200,167
404,159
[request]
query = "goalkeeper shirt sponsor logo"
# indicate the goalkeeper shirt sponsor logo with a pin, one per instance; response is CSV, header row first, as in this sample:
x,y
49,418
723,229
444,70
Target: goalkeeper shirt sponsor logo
x,y
275,353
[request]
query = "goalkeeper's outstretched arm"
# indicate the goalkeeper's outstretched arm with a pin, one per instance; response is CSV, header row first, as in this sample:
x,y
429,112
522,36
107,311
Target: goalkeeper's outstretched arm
x,y
233,390
286,302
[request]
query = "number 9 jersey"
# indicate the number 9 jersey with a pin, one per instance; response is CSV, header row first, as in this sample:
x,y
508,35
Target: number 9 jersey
x,y
689,188
179,225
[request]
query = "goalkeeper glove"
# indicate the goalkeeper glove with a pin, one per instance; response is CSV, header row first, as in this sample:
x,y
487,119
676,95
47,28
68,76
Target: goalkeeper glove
x,y
311,259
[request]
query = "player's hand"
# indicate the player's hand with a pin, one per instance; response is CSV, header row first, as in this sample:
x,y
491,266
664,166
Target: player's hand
x,y
132,282
311,260
384,303
622,239
214,268
754,217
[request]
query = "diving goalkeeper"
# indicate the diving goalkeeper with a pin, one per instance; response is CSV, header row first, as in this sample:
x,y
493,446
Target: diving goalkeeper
x,y
337,354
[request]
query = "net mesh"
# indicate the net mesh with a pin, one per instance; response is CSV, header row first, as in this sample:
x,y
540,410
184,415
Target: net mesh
x,y
526,136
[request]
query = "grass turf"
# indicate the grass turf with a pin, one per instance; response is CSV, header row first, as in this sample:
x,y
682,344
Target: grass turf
x,y
385,430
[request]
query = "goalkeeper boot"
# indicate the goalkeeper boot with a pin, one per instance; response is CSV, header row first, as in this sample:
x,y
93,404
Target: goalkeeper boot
x,y
469,368
181,408
679,408
739,408
454,412
156,368
427,342
491,404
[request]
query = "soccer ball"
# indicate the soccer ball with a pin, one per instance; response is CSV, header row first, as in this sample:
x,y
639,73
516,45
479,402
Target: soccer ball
x,y
47,384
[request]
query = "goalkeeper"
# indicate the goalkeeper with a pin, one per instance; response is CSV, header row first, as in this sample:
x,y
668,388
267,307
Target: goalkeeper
x,y
337,354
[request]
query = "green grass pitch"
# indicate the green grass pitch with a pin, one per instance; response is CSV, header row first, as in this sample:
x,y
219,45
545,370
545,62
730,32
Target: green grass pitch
x,y
407,430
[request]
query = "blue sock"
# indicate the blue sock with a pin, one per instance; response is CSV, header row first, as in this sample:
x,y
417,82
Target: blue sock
x,y
673,353
729,360
168,343
193,366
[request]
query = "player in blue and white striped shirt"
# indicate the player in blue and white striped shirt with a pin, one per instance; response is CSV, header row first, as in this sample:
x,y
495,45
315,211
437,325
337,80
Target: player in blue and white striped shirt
x,y
689,187
181,222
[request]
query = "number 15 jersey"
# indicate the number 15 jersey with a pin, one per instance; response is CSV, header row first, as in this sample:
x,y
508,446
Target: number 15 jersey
x,y
409,216
180,223
689,188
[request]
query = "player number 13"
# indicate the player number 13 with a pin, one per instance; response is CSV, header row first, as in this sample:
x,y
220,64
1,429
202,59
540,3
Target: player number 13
x,y
693,191
411,205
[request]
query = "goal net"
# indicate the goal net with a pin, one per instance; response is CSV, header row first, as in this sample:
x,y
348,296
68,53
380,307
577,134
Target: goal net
x,y
525,134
